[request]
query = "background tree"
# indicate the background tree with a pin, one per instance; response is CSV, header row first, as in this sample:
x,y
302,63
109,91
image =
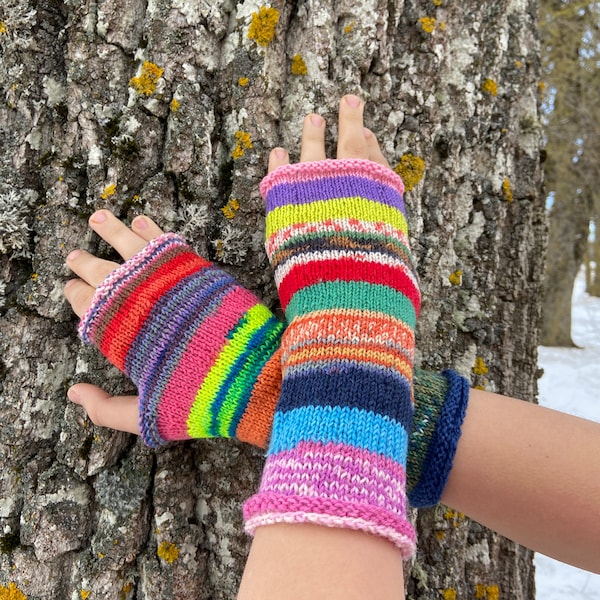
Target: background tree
x,y
169,108
570,49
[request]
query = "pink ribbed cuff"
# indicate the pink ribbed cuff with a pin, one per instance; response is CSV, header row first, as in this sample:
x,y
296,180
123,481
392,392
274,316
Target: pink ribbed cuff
x,y
269,509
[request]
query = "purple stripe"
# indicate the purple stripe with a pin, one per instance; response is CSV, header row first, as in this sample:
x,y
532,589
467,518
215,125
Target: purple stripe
x,y
330,188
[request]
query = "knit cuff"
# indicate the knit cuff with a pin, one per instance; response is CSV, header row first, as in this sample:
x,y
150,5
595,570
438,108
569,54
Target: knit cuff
x,y
440,406
334,485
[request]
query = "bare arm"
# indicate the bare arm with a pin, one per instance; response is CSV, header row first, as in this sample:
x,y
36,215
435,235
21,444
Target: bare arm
x,y
532,474
310,561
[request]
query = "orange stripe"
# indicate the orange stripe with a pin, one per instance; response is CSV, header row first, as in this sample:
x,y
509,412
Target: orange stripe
x,y
343,325
255,424
373,356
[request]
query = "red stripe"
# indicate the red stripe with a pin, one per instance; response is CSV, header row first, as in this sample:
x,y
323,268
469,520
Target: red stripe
x,y
347,269
124,326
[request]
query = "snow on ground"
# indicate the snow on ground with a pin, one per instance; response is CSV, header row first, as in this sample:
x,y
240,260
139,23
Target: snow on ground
x,y
571,383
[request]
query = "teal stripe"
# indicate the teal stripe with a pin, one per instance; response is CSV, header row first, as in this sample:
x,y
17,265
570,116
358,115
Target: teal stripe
x,y
340,425
353,295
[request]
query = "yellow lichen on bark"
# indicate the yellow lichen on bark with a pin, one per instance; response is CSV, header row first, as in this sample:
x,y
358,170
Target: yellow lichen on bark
x,y
298,65
428,24
456,277
11,592
231,208
411,168
243,142
489,86
109,191
507,190
480,368
145,83
263,24
168,552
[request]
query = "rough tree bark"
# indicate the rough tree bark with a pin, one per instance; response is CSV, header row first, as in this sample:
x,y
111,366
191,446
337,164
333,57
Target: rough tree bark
x,y
167,107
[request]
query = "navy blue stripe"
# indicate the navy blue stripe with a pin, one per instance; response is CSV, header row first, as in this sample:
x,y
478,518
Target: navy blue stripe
x,y
349,386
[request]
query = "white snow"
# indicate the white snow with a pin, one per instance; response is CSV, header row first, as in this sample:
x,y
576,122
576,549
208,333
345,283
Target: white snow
x,y
571,383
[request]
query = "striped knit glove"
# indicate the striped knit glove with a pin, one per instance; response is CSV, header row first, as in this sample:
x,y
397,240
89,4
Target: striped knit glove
x,y
202,350
337,240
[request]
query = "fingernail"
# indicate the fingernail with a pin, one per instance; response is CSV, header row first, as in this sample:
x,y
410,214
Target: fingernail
x,y
68,284
368,133
280,153
73,255
140,223
73,396
317,120
352,100
98,217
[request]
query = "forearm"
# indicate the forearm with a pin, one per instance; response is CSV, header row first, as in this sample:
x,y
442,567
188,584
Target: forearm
x,y
301,561
531,474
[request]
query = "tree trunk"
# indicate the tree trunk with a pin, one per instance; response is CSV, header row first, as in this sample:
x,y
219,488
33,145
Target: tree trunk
x,y
593,263
134,105
567,242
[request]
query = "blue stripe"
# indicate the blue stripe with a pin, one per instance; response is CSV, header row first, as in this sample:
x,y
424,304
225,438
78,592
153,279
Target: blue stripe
x,y
258,350
351,386
193,299
340,425
273,333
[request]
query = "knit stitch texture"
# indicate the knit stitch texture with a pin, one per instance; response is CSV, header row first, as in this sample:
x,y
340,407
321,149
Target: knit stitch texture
x,y
202,350
337,241
440,406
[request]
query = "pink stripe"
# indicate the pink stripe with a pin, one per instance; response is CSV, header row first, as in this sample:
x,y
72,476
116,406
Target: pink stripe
x,y
196,361
268,509
337,471
310,171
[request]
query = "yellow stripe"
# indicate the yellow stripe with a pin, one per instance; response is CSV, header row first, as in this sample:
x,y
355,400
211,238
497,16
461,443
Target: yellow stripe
x,y
338,208
200,417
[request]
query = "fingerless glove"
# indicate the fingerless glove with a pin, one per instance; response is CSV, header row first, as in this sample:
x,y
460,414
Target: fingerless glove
x,y
201,349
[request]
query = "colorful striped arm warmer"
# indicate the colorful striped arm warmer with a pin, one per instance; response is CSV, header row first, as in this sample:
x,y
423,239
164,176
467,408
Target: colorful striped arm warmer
x,y
337,240
202,350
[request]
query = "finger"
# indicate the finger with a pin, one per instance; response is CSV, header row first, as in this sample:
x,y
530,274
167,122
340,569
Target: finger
x,y
351,137
313,138
79,294
278,158
91,269
373,149
116,233
104,410
146,228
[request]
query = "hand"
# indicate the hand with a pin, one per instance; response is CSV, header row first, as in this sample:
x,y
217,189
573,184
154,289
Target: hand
x,y
354,140
116,412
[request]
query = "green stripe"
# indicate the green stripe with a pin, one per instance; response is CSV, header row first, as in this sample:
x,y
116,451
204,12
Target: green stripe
x,y
353,295
200,417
